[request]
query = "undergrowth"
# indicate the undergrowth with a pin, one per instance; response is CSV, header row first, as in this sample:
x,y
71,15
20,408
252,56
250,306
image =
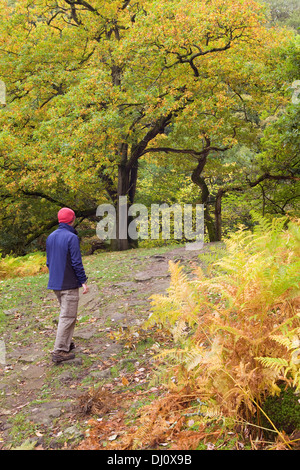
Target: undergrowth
x,y
22,266
236,339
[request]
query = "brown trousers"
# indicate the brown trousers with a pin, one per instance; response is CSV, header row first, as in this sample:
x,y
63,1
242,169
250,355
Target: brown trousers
x,y
68,301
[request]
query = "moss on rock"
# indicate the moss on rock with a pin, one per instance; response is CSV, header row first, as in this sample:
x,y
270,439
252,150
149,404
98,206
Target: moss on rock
x,y
283,410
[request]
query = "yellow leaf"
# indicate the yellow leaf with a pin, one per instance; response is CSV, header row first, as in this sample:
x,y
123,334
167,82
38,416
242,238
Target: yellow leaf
x,y
125,381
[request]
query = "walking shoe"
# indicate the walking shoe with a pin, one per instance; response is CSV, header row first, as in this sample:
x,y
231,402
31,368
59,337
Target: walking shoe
x,y
61,356
72,346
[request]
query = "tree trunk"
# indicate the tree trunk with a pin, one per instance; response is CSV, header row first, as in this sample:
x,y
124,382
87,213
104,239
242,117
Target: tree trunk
x,y
218,214
127,180
200,182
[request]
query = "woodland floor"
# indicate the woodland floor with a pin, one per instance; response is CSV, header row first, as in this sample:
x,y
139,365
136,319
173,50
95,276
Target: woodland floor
x,y
47,406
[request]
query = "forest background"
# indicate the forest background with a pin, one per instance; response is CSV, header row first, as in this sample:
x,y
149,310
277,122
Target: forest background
x,y
164,102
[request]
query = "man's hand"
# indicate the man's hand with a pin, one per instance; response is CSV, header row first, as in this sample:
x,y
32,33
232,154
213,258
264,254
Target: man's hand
x,y
85,288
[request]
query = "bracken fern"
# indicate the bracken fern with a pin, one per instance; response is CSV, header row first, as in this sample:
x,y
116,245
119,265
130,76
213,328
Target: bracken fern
x,y
236,333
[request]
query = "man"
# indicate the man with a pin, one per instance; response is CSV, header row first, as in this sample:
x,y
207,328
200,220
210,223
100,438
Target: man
x,y
66,276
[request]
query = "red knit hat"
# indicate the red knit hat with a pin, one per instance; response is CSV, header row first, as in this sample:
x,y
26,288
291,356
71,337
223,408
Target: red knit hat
x,y
66,215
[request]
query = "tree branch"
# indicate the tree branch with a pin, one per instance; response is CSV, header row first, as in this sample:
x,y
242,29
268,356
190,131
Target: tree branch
x,y
195,153
139,149
82,3
267,176
42,195
79,212
41,231
185,59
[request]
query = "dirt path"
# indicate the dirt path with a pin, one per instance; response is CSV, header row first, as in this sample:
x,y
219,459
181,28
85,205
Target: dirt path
x,y
39,400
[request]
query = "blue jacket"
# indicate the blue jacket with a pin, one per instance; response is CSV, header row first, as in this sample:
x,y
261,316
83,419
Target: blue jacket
x,y
64,261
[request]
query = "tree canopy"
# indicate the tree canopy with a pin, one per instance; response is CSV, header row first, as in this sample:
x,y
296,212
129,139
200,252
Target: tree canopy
x,y
96,87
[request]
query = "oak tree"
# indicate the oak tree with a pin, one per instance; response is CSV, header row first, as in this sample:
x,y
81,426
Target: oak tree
x,y
95,86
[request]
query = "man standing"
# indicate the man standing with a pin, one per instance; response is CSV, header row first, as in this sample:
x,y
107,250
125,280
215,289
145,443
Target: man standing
x,y
66,276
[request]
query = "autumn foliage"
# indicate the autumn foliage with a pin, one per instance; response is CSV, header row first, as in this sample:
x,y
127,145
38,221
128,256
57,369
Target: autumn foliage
x,y
236,334
235,331
87,101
